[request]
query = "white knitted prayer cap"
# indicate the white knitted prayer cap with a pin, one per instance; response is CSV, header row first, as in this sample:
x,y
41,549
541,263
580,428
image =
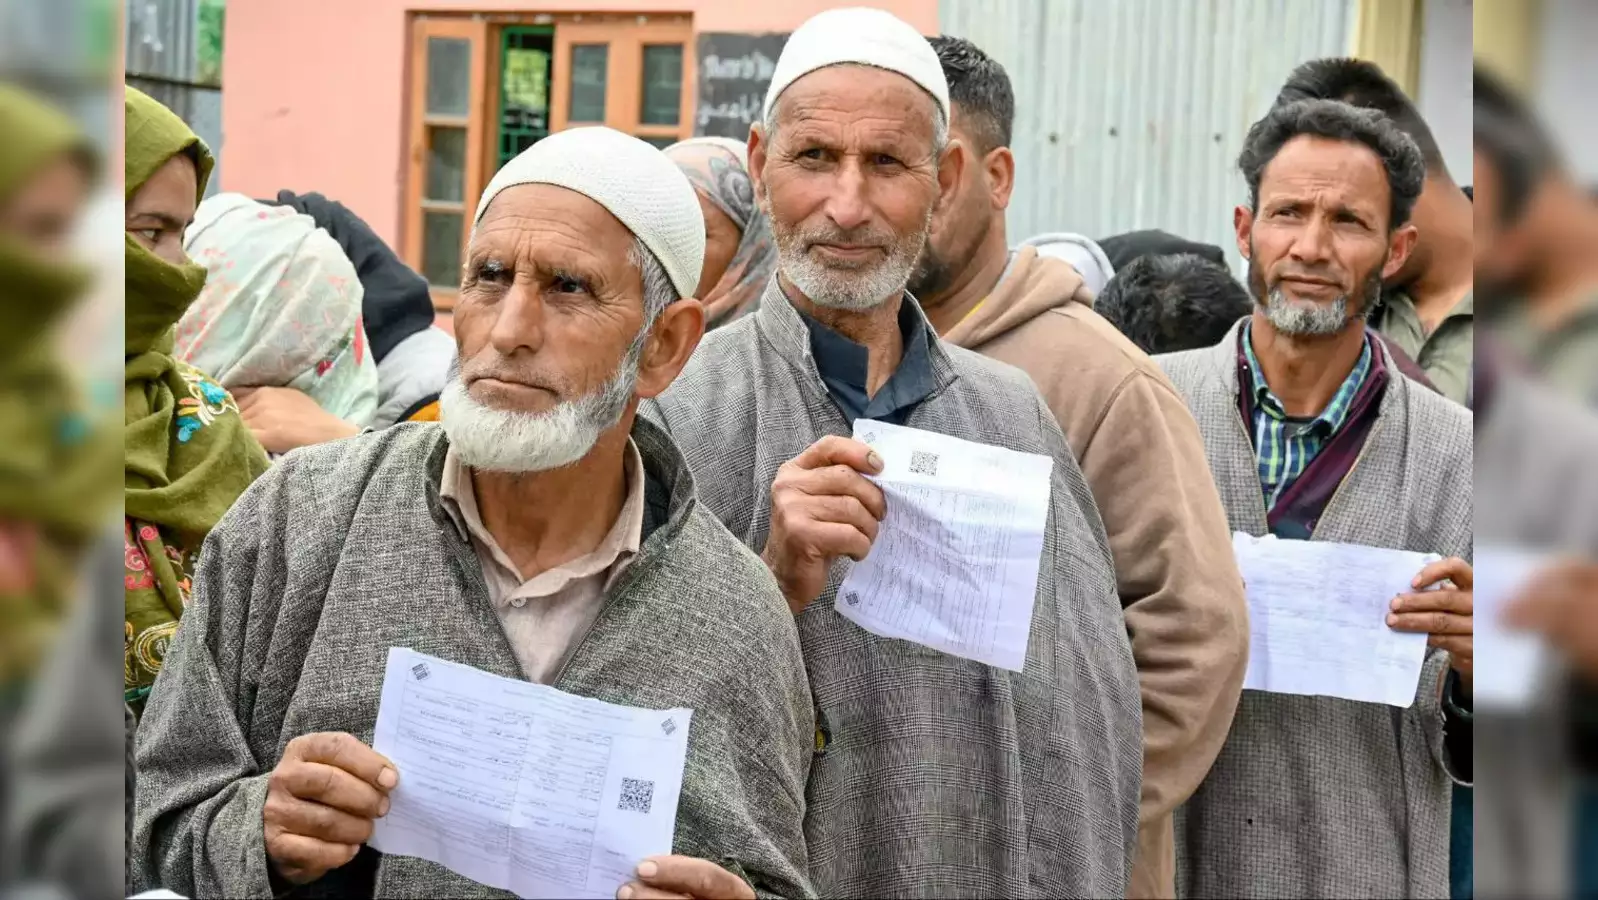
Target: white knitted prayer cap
x,y
864,36
636,182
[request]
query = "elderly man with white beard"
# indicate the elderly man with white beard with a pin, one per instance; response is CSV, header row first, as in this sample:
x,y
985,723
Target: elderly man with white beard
x,y
539,531
934,775
1313,434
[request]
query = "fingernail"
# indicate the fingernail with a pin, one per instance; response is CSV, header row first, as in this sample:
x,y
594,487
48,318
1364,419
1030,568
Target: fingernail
x,y
1398,603
387,778
874,461
1392,619
647,869
625,893
382,808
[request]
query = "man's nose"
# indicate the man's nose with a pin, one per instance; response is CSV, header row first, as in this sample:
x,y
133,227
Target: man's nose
x,y
518,320
1313,243
847,206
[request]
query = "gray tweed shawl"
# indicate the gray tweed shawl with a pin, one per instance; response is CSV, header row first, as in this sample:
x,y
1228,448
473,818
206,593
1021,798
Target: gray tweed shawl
x,y
943,777
1316,796
342,551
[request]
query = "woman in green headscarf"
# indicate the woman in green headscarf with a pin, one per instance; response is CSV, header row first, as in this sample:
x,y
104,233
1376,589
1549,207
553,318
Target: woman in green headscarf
x,y
55,493
188,455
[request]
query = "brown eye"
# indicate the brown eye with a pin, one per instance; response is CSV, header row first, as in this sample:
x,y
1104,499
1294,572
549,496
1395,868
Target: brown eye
x,y
566,284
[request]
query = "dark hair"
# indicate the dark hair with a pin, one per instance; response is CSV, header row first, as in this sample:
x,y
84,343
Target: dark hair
x,y
1362,83
1334,119
980,88
1509,135
1166,303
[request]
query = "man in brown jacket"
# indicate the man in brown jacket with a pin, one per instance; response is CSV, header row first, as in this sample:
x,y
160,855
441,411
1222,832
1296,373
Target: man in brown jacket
x,y
1134,439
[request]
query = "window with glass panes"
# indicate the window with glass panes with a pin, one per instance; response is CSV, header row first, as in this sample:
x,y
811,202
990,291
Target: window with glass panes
x,y
445,171
483,89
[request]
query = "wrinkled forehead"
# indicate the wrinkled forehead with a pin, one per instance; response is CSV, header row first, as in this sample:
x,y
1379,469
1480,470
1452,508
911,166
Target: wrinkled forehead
x,y
1334,171
857,90
529,215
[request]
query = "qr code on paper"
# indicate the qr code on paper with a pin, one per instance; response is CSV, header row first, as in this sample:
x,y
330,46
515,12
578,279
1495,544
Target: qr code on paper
x,y
852,598
420,671
636,795
923,463
669,726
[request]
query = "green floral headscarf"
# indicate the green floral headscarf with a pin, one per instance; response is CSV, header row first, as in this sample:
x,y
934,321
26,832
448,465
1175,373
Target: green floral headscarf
x,y
188,455
54,459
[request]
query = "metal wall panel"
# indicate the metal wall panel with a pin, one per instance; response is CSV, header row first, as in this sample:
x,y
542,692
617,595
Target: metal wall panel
x,y
160,39
1130,113
163,61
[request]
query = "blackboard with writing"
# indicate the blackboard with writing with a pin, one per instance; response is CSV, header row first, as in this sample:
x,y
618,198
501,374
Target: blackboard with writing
x,y
734,71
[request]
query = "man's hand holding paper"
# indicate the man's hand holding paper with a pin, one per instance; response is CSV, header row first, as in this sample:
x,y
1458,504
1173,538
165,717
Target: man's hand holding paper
x,y
822,507
321,802
1441,607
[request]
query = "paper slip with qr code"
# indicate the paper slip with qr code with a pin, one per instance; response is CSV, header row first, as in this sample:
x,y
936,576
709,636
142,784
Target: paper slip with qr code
x,y
523,787
955,563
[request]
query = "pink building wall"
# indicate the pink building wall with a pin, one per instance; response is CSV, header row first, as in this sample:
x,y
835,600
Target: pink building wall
x,y
314,90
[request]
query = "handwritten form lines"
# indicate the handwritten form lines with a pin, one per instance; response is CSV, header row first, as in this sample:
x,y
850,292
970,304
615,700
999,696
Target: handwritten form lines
x,y
1317,619
516,785
955,563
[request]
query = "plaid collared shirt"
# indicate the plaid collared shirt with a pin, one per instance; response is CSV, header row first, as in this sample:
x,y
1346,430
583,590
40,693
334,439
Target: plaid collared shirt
x,y
1285,447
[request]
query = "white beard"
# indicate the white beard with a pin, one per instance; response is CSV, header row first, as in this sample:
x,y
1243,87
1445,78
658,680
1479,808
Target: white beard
x,y
498,440
1305,318
856,290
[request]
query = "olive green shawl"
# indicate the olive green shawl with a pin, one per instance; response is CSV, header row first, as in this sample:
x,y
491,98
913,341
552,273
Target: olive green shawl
x,y
188,455
54,460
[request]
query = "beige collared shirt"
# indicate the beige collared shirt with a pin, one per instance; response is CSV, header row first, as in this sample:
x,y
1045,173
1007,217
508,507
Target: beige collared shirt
x,y
546,615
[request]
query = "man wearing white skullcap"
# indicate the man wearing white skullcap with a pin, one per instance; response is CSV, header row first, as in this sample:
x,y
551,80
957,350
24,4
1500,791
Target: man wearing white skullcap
x,y
539,531
935,775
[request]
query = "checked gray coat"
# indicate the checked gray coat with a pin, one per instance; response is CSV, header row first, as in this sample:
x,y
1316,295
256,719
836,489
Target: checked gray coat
x,y
343,550
1318,796
941,777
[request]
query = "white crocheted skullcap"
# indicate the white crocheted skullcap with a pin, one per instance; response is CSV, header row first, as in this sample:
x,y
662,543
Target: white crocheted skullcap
x,y
863,36
631,179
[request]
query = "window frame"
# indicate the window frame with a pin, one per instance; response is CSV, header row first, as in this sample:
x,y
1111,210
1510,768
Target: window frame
x,y
475,123
624,74
626,36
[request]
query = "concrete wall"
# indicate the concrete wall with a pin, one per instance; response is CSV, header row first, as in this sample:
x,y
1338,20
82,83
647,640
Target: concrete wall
x,y
314,90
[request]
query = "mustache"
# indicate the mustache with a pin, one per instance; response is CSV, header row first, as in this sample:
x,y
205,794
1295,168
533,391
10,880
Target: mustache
x,y
499,368
1314,274
865,235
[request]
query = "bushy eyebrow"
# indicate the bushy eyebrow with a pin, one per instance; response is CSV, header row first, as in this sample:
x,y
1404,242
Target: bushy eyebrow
x,y
492,262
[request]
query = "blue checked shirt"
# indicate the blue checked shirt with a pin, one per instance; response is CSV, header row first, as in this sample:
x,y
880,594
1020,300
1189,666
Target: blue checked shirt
x,y
1285,447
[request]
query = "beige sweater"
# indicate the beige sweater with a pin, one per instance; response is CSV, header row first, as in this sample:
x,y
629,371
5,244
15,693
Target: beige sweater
x,y
1144,461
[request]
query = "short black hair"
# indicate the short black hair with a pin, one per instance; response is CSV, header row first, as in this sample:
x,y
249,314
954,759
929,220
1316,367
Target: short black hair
x,y
1338,121
1362,83
1509,135
1166,303
980,87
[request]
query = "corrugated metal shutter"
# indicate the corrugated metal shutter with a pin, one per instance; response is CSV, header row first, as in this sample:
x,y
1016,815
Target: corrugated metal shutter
x,y
163,60
1130,113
